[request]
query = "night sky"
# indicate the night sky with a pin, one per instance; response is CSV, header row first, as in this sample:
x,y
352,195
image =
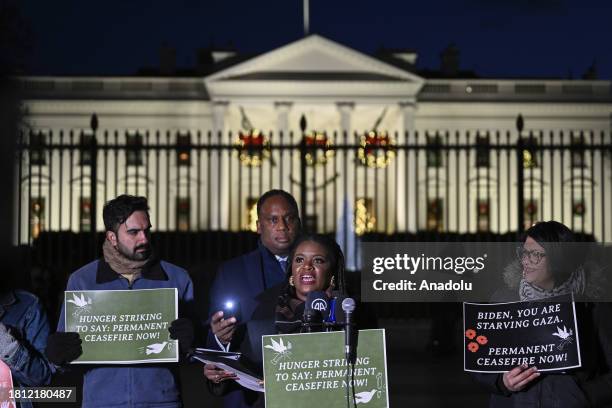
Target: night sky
x,y
497,38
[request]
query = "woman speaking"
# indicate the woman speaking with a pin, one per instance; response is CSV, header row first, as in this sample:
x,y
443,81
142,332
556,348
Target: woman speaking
x,y
316,264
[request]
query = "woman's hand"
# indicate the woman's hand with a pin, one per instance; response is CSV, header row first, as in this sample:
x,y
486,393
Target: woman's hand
x,y
517,378
217,375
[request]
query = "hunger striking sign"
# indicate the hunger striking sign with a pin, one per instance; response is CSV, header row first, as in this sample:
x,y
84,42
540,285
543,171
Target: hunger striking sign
x,y
123,326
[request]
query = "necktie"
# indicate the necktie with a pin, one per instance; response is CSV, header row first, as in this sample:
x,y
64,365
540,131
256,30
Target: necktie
x,y
283,264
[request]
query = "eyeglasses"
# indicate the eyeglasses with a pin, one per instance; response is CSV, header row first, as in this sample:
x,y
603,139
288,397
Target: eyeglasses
x,y
535,257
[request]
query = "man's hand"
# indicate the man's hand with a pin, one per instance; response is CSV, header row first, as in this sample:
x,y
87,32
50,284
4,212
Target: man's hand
x,y
517,378
62,348
223,328
217,375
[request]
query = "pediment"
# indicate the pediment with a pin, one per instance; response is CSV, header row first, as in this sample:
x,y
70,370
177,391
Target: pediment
x,y
314,58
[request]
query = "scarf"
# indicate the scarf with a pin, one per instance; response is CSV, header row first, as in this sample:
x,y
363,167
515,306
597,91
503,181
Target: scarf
x,y
575,284
119,263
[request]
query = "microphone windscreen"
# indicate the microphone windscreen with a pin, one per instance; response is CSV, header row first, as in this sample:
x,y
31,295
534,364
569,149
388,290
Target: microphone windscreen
x,y
317,300
348,305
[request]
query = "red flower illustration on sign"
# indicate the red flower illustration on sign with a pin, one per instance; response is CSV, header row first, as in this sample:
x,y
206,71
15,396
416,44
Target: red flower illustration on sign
x,y
470,333
482,340
473,346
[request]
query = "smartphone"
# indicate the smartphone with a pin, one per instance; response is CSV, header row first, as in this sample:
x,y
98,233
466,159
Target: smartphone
x,y
231,308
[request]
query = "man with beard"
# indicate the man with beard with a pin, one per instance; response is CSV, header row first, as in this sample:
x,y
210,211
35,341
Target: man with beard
x,y
128,263
243,278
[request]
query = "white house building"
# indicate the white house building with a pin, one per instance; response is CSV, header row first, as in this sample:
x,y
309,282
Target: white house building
x,y
408,151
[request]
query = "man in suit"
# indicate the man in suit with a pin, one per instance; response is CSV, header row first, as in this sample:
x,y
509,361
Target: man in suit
x,y
243,278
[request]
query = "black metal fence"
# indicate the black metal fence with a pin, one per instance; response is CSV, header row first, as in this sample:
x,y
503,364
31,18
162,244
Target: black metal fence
x,y
202,186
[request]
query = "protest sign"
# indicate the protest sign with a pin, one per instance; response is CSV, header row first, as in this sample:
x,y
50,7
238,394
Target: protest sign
x,y
501,336
309,370
123,326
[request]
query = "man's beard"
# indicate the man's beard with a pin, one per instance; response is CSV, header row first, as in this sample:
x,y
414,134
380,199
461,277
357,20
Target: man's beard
x,y
135,256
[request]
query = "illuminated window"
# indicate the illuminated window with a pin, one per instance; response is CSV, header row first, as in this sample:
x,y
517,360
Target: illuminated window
x,y
183,150
38,155
482,215
134,152
530,153
251,214
85,214
37,216
435,209
183,211
482,151
364,216
434,151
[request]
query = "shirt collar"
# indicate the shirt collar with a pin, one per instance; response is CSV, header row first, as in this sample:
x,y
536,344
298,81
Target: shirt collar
x,y
263,249
152,271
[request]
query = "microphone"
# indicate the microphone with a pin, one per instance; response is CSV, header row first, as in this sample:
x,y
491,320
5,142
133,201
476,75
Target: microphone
x,y
316,309
350,334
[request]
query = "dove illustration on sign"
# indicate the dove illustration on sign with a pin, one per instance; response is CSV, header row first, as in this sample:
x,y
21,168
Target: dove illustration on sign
x,y
79,301
279,346
281,351
565,336
155,348
364,397
83,304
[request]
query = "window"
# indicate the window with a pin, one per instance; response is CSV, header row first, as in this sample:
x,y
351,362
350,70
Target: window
x,y
85,214
183,150
183,211
530,153
38,155
483,215
434,151
364,216
86,145
577,150
37,216
530,212
133,152
435,209
482,151
251,214
578,208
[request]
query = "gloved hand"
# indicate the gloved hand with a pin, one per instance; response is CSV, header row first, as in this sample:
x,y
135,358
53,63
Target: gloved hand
x,y
8,343
182,330
63,347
